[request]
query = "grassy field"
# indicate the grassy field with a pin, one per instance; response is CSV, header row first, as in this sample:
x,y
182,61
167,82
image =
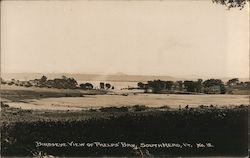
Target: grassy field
x,y
222,131
65,99
18,93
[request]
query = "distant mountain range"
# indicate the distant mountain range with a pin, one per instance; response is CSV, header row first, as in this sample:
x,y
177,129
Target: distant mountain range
x,y
100,77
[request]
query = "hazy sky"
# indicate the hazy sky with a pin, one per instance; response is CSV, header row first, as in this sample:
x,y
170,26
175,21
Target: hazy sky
x,y
177,38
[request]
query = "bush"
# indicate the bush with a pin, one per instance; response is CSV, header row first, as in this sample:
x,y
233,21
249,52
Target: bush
x,y
139,108
226,129
4,105
114,109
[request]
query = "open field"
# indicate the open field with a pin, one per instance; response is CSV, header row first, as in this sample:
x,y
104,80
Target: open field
x,y
65,99
151,100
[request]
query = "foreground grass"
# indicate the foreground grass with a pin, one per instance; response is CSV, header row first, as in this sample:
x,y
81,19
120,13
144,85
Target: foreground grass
x,y
224,128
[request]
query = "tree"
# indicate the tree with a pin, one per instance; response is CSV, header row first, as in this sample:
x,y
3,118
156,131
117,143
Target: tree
x,y
108,86
199,85
101,85
179,84
82,86
2,80
85,86
169,84
232,3
222,89
233,82
157,85
72,83
43,79
215,82
212,82
141,85
64,77
64,83
190,86
247,84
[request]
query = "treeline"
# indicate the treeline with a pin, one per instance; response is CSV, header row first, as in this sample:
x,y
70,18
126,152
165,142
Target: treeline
x,y
60,83
209,86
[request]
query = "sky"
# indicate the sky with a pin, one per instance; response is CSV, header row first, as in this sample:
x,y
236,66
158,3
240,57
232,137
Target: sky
x,y
174,38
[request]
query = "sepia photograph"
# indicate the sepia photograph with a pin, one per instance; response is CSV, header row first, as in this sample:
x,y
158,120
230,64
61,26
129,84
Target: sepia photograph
x,y
125,78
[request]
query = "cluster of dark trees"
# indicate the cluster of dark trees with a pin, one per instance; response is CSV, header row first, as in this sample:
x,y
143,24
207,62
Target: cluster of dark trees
x,y
106,86
210,86
102,85
60,83
86,86
232,3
